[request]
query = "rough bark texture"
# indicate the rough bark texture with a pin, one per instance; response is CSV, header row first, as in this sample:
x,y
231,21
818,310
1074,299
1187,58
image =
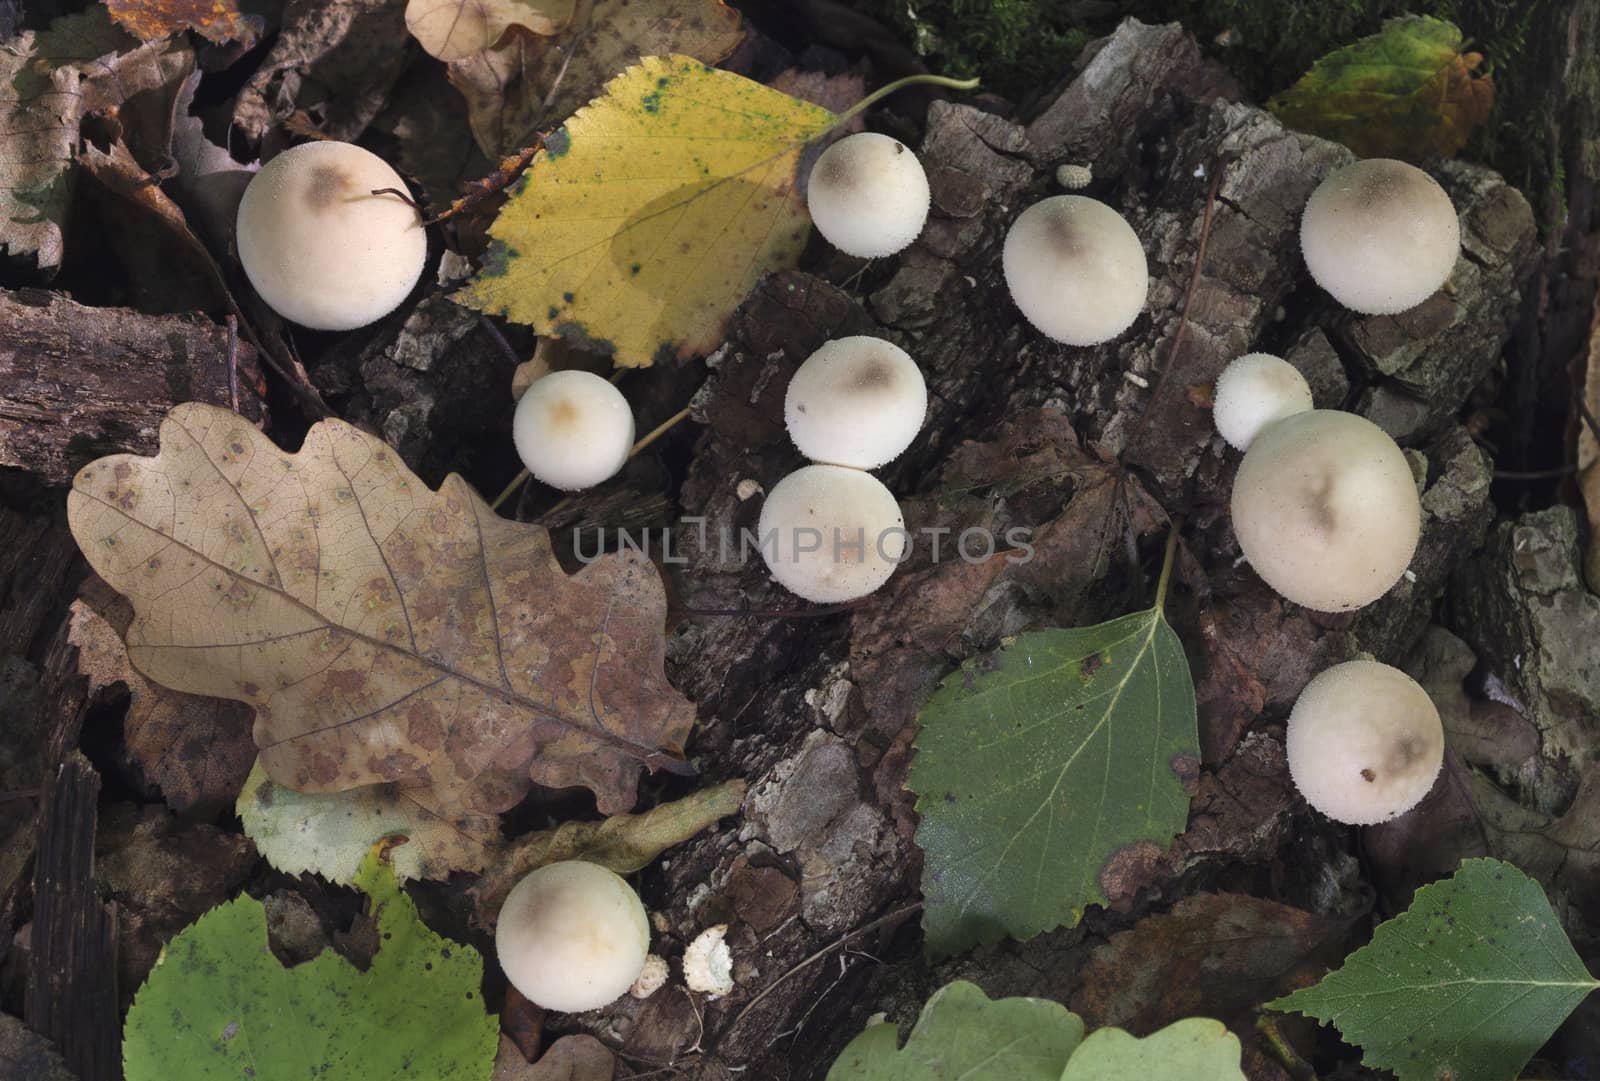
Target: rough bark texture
x,y
817,710
77,383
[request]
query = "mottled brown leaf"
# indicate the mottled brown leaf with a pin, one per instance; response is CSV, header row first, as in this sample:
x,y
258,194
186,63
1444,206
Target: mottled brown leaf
x,y
196,750
571,1058
528,83
382,631
1214,954
218,21
1408,91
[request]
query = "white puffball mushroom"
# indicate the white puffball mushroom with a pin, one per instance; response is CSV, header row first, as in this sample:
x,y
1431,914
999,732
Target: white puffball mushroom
x,y
856,402
868,195
831,534
319,247
572,936
1253,391
1076,269
573,429
708,963
1381,236
1364,743
1326,509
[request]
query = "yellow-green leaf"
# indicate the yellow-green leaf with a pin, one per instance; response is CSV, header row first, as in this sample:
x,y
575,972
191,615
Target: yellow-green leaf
x,y
650,215
1406,92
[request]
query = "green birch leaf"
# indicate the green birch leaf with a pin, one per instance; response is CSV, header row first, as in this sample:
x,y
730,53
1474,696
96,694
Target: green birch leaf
x,y
1467,983
219,1006
1044,770
1196,1049
962,1035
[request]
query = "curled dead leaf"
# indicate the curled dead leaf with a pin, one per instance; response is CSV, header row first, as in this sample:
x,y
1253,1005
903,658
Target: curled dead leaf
x,y
383,631
457,29
218,21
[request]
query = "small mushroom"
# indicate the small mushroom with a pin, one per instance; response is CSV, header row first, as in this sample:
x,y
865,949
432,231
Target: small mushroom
x,y
1253,391
1326,509
831,534
1075,269
572,936
319,247
1381,236
868,195
1364,742
573,429
856,402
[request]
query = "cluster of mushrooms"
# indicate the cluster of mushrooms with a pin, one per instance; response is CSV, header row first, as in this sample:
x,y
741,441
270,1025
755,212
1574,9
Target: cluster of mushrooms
x,y
1324,503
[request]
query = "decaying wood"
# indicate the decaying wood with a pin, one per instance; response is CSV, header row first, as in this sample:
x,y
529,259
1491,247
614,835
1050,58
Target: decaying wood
x,y
72,983
77,382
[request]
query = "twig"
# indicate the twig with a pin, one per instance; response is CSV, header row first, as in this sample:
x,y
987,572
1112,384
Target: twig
x,y
1535,474
1183,318
892,917
233,361
1298,1067
516,482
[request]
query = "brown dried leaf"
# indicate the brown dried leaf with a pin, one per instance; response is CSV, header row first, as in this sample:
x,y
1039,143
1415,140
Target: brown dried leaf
x,y
382,631
219,21
197,750
457,29
528,82
571,1058
1214,954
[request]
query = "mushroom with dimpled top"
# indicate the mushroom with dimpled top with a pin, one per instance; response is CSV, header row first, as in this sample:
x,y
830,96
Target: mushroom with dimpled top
x,y
572,936
856,402
573,429
1326,509
868,195
1381,236
1364,742
319,247
1075,269
831,534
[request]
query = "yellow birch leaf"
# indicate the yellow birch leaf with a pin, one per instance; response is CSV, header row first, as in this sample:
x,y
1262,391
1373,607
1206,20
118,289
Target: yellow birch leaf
x,y
646,219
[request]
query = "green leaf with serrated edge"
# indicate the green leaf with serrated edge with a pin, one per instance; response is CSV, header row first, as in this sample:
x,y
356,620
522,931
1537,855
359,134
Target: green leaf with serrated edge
x,y
964,1035
1468,982
1037,766
330,833
219,1007
1196,1049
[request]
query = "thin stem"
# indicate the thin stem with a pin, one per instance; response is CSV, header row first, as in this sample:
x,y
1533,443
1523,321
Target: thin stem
x,y
900,84
660,430
511,489
1167,561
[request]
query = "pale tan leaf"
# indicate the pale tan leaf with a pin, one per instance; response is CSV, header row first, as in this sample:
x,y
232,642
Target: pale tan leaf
x,y
457,29
384,632
530,83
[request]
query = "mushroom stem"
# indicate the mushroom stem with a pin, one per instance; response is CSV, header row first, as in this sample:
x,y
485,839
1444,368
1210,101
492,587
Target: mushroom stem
x,y
660,430
900,84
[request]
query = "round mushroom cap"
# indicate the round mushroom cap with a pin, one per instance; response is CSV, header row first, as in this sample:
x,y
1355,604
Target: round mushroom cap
x,y
319,247
856,402
572,936
868,195
1076,269
1364,743
831,534
1326,510
1381,236
1253,391
573,429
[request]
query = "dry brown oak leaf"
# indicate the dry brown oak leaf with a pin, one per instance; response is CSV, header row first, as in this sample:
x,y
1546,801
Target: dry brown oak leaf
x,y
382,631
